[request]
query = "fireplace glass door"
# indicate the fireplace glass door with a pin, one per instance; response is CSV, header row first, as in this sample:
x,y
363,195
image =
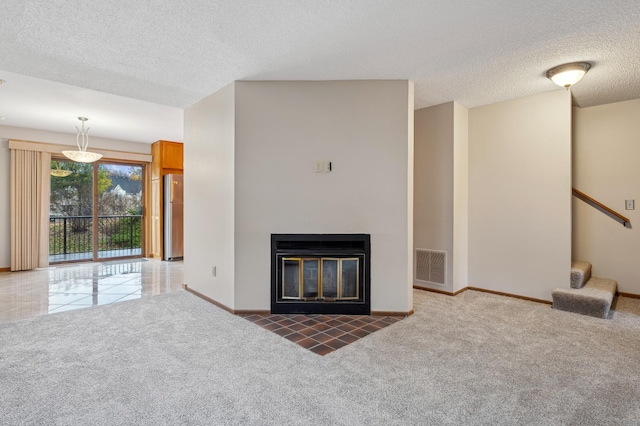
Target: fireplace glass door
x,y
320,278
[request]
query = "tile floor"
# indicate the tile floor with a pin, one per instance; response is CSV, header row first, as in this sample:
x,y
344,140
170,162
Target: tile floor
x,y
322,334
74,286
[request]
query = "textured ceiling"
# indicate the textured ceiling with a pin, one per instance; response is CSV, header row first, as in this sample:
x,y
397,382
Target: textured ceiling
x,y
175,53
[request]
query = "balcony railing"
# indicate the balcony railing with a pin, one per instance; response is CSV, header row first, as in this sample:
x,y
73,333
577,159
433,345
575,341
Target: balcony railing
x,y
74,234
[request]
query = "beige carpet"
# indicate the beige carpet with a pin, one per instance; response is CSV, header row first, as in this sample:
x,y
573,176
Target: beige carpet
x,y
174,359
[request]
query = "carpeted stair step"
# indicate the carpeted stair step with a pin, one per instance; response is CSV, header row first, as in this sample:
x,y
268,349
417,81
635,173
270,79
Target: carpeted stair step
x,y
580,273
594,299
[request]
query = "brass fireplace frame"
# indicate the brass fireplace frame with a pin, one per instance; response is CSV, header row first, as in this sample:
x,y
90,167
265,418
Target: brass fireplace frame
x,y
320,278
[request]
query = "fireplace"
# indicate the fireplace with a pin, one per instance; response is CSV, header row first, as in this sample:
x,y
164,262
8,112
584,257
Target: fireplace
x,y
320,274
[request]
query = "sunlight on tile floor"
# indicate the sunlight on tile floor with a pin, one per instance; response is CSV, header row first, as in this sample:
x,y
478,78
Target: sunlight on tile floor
x,y
74,286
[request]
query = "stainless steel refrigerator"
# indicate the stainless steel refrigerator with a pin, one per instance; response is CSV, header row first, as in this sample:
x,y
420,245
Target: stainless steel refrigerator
x,y
173,217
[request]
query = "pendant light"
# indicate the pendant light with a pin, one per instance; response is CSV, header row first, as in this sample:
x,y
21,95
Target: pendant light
x,y
58,172
82,140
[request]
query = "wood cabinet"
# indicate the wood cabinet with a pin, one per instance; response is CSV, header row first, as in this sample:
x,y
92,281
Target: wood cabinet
x,y
167,158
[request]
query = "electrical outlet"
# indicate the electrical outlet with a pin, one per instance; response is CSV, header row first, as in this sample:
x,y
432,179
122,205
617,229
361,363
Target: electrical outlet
x,y
629,204
318,166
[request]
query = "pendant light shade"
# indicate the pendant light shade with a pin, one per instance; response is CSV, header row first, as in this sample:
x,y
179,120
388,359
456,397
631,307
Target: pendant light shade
x,y
568,74
58,172
82,140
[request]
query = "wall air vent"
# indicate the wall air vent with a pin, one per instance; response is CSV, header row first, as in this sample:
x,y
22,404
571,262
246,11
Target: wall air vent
x,y
431,266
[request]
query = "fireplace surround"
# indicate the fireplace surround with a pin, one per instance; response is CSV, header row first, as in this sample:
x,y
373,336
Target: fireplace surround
x,y
320,274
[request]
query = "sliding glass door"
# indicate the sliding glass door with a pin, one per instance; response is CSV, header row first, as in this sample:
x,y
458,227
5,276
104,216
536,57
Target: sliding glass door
x,y
71,212
96,211
119,205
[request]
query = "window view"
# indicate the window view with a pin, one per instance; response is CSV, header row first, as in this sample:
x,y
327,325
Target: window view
x,y
80,231
71,211
119,210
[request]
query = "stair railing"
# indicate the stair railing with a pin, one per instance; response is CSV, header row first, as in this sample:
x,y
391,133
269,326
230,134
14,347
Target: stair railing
x,y
604,209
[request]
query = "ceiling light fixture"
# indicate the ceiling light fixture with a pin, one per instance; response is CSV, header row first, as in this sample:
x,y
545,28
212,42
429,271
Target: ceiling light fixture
x,y
82,140
568,74
58,172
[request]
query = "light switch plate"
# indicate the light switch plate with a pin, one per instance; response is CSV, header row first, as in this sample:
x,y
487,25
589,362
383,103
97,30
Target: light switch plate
x,y
629,204
319,166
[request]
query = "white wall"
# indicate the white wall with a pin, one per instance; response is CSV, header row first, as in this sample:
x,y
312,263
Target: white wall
x,y
209,163
5,204
364,128
520,195
441,188
433,180
460,197
605,154
18,133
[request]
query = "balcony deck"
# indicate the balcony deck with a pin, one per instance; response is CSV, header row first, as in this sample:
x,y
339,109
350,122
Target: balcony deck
x,y
102,254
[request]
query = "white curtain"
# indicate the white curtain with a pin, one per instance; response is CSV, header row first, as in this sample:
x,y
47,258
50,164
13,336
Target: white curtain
x,y
30,187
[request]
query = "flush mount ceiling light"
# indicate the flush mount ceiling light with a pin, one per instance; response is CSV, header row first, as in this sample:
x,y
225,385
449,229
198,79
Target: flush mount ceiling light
x,y
58,172
82,140
568,74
